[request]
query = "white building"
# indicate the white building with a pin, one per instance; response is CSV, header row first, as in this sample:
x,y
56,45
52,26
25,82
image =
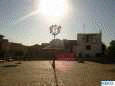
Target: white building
x,y
89,44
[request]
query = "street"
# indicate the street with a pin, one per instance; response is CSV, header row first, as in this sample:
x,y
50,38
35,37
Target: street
x,y
69,73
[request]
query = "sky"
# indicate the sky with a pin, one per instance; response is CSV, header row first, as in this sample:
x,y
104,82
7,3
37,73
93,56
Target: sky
x,y
28,21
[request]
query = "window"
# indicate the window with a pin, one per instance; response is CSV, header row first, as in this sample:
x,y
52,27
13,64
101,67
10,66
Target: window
x,y
88,47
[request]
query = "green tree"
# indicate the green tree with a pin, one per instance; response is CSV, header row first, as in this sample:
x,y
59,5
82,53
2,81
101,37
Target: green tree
x,y
112,48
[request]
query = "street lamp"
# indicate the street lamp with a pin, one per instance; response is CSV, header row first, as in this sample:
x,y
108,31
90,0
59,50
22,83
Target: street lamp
x,y
55,30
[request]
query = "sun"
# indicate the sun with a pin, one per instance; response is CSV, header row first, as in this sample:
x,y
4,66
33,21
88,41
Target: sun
x,y
53,8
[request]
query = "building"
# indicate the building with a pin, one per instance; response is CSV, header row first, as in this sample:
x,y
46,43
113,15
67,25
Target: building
x,y
43,45
56,43
4,46
89,44
66,45
70,45
17,49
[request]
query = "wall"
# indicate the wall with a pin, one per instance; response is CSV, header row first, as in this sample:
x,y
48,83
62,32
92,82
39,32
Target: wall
x,y
93,40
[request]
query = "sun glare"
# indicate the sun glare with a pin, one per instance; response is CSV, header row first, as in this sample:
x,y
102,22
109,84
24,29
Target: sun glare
x,y
53,8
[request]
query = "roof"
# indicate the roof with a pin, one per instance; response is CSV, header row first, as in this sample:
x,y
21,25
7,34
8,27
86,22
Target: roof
x,y
1,36
88,33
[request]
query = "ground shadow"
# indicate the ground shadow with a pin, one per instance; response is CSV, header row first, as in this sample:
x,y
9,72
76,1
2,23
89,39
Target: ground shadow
x,y
100,60
112,70
8,66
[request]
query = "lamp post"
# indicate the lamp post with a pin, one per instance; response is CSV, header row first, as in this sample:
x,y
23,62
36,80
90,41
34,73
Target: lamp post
x,y
54,30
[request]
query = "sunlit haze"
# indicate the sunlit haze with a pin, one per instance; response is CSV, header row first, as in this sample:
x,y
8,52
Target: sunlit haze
x,y
53,8
53,11
28,21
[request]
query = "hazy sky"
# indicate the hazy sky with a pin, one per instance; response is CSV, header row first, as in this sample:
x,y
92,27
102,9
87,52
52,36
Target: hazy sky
x,y
20,23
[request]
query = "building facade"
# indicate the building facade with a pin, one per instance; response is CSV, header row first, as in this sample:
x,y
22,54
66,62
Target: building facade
x,y
4,46
89,44
70,45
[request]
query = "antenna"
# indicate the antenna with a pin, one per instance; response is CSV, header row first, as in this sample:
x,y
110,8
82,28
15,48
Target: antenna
x,y
100,31
84,28
99,25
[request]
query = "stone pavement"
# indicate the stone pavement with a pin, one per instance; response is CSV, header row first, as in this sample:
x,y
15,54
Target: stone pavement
x,y
69,73
72,73
28,73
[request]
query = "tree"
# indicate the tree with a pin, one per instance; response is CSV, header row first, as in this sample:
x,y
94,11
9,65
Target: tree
x,y
103,48
111,48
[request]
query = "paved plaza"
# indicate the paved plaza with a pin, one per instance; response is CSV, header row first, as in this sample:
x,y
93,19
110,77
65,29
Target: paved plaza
x,y
69,73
